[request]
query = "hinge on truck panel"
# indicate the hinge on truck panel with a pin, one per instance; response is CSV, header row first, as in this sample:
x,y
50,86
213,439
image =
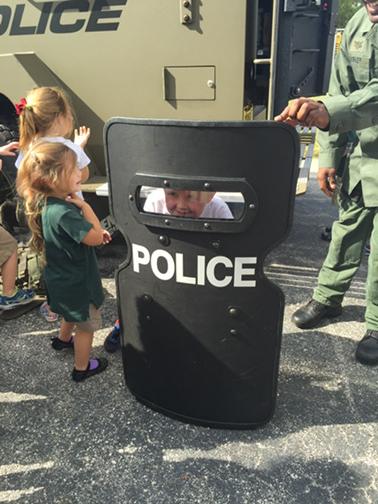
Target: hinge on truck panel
x,y
296,89
186,14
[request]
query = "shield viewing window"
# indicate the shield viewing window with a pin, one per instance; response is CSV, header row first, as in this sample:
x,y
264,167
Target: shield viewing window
x,y
188,203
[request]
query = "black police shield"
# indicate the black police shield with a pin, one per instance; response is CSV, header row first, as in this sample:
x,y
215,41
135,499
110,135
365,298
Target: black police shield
x,y
201,324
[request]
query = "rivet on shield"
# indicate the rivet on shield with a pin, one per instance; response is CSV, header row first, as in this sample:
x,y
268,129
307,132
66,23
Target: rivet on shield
x,y
147,299
131,197
164,240
166,183
251,206
206,225
206,185
166,221
148,317
216,244
233,332
234,312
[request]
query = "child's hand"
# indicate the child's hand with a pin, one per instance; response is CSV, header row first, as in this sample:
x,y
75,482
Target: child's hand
x,y
76,200
106,237
81,136
9,149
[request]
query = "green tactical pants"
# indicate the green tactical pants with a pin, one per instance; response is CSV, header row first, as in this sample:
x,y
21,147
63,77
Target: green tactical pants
x,y
349,235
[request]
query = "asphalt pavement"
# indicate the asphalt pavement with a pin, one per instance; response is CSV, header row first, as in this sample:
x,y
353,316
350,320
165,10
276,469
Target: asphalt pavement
x,y
70,443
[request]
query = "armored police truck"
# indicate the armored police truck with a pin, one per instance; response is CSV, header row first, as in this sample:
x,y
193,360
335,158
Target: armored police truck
x,y
173,59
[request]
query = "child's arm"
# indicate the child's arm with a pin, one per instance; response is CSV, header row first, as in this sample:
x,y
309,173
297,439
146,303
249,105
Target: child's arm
x,y
95,235
84,174
9,149
81,136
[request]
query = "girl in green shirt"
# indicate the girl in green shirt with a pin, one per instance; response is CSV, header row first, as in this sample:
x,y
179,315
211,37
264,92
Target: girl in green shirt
x,y
64,230
46,113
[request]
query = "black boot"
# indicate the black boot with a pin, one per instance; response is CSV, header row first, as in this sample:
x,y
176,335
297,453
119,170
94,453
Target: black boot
x,y
312,313
367,348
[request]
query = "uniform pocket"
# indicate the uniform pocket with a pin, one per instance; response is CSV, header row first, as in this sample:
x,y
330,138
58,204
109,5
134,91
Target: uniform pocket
x,y
361,69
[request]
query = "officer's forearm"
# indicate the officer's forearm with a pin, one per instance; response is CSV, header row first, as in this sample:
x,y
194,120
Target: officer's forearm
x,y
355,112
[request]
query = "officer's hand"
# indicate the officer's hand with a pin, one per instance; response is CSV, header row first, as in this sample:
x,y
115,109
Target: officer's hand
x,y
305,111
326,180
312,113
285,117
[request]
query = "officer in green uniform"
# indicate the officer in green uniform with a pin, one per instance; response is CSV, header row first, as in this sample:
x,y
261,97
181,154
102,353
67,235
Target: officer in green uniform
x,y
349,109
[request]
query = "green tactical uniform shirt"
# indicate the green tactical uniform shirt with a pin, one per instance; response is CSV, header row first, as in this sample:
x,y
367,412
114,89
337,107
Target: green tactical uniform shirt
x,y
71,273
352,103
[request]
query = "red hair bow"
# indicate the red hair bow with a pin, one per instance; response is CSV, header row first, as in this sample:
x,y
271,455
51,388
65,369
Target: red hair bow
x,y
20,106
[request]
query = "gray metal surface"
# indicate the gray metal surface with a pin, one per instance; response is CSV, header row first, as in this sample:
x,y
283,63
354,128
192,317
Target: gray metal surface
x,y
92,442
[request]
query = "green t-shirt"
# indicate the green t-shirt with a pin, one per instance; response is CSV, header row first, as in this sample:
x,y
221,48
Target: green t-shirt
x,y
71,272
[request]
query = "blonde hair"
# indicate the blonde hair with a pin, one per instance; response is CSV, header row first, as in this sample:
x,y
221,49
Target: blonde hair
x,y
44,167
43,106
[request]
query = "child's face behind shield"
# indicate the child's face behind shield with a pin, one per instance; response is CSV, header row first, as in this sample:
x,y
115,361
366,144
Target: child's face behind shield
x,y
187,203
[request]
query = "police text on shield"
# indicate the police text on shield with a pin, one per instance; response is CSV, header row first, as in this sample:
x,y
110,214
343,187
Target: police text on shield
x,y
165,266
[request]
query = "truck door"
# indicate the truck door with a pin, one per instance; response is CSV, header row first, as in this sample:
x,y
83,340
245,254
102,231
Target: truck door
x,y
305,47
289,46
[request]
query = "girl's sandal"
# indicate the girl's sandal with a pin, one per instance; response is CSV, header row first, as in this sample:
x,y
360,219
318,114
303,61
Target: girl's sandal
x,y
47,314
